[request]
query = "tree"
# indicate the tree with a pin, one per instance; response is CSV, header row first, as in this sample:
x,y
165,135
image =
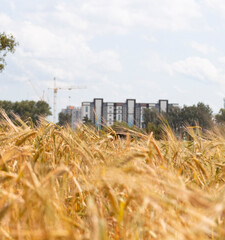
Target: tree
x,y
7,106
26,109
87,121
31,109
177,117
197,114
41,108
152,122
64,119
220,117
174,118
7,44
156,129
151,115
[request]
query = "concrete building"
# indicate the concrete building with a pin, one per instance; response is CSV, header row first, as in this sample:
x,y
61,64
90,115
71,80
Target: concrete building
x,y
107,113
76,118
75,113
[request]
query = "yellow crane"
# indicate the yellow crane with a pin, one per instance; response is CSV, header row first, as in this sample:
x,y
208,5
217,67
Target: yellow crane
x,y
55,90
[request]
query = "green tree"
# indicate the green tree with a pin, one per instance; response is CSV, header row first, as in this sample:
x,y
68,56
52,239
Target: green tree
x,y
220,117
64,119
42,108
26,109
151,115
197,114
177,117
7,44
156,129
7,106
31,109
174,118
87,121
152,122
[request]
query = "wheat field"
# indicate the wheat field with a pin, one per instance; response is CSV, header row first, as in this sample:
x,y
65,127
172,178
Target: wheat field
x,y
56,183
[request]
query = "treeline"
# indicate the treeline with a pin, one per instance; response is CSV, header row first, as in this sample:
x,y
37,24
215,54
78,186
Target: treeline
x,y
178,118
26,110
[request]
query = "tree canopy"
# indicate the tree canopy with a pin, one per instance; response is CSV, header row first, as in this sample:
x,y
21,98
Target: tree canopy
x,y
7,44
220,117
177,118
26,109
200,114
64,119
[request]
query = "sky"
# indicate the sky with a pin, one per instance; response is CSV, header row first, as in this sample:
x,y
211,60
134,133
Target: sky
x,y
119,49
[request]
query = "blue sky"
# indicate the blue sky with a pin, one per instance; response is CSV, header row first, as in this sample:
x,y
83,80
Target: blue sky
x,y
143,49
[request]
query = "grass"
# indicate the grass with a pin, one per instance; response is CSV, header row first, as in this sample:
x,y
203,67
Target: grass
x,y
56,183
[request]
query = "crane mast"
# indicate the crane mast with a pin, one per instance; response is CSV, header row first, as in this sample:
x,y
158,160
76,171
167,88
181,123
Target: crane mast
x,y
55,91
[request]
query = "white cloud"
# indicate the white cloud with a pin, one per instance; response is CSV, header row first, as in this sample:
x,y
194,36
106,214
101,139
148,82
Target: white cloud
x,y
84,42
59,52
203,48
179,89
121,16
149,38
156,63
194,67
221,60
220,94
55,37
5,21
218,5
199,68
161,14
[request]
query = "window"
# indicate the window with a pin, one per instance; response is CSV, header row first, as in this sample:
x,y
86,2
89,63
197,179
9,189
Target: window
x,y
118,117
86,109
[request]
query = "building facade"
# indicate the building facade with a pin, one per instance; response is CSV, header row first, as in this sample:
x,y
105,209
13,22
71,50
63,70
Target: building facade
x,y
107,113
75,113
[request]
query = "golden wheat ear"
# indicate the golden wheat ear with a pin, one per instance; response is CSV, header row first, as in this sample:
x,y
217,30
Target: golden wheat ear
x,y
59,183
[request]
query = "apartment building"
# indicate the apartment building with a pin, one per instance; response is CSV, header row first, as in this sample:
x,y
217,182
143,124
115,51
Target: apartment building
x,y
107,113
76,115
76,118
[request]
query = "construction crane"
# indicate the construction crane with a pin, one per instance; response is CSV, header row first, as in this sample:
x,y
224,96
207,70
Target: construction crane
x,y
55,91
36,92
